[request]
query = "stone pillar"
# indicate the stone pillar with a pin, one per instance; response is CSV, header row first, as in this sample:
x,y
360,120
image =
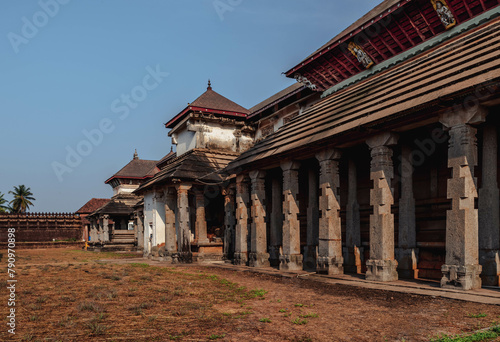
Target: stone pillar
x,y
201,221
407,251
382,265
170,231
312,221
139,229
489,210
258,254
229,222
184,231
291,260
105,228
461,269
241,232
276,232
330,259
353,252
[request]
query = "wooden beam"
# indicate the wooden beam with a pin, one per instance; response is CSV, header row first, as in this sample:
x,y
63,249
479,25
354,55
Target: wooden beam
x,y
328,71
341,73
465,2
427,23
395,39
350,57
378,51
387,45
413,25
317,81
483,5
342,63
406,34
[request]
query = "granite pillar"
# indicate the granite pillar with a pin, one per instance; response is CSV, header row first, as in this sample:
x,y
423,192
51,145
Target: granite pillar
x,y
170,230
183,220
276,222
241,231
229,222
258,256
291,260
461,269
201,221
353,252
407,251
382,264
489,222
310,251
330,258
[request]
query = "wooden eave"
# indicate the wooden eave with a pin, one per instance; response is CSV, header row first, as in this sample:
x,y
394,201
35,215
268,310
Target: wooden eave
x,y
400,27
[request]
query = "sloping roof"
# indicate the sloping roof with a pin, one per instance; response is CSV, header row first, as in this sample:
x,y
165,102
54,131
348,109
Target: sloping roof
x,y
165,159
195,165
122,204
376,11
137,168
285,93
455,67
211,101
92,205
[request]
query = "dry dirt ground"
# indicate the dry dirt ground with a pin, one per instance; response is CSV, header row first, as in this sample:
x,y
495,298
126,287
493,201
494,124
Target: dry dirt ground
x,y
69,295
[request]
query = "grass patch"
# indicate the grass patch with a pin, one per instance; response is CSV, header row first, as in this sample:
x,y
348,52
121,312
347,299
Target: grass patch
x,y
216,337
310,315
299,321
479,315
485,335
90,306
265,320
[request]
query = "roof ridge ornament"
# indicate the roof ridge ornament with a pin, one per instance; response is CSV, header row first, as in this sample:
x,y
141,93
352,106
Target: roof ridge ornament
x,y
209,85
136,156
444,12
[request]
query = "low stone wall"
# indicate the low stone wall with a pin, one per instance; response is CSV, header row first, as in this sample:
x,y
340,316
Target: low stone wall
x,y
41,227
44,245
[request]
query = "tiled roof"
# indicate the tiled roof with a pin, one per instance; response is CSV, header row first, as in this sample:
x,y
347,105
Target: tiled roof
x,y
276,97
121,204
213,100
92,205
166,159
452,69
194,165
137,168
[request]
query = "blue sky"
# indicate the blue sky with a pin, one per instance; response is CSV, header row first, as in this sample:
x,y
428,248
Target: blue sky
x,y
64,68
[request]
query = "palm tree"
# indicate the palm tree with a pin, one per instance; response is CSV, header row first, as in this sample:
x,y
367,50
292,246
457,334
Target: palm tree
x,y
22,199
3,208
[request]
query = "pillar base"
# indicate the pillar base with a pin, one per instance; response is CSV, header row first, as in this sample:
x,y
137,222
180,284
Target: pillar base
x,y
490,261
185,257
461,277
353,259
274,255
407,262
240,259
310,258
258,260
382,270
291,262
330,266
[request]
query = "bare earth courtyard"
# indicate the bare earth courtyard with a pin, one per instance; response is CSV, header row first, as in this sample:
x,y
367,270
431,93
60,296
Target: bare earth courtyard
x,y
71,295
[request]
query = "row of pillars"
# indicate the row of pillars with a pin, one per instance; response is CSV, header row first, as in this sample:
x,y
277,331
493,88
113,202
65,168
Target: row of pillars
x,y
462,267
178,225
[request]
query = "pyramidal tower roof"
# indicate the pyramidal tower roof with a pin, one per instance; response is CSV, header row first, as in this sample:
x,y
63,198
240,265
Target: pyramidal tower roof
x,y
211,102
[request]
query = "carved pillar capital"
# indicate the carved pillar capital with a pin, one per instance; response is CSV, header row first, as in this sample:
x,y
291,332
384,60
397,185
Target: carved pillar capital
x,y
461,116
328,154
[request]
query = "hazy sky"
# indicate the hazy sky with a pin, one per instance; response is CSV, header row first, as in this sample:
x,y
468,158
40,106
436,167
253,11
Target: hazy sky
x,y
96,79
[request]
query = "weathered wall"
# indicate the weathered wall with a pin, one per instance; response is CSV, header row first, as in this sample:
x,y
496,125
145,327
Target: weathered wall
x,y
39,227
